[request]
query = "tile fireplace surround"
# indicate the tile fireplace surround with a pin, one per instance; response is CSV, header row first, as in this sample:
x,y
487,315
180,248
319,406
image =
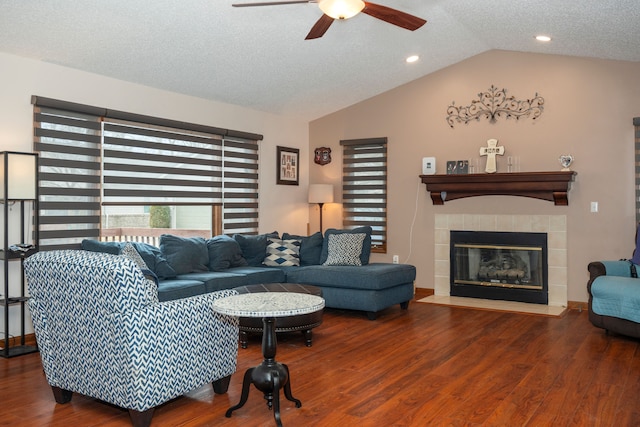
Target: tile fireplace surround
x,y
554,225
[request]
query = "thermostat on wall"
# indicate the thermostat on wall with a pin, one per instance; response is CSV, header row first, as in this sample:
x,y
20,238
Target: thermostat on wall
x,y
428,165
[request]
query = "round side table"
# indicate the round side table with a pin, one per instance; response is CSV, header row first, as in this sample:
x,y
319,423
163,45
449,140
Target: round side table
x,y
269,376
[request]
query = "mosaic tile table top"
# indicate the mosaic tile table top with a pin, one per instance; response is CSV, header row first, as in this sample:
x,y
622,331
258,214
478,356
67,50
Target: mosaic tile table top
x,y
269,304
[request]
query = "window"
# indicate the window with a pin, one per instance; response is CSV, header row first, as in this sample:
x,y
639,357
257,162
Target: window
x,y
364,187
101,167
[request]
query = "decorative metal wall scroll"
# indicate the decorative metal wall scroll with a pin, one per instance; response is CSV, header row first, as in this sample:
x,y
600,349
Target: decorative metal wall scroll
x,y
493,104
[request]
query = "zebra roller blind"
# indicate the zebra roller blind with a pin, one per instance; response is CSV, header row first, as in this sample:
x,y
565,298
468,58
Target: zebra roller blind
x,y
364,187
92,157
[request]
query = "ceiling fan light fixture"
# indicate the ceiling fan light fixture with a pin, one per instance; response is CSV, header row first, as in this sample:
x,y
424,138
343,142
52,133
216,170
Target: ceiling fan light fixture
x,y
341,9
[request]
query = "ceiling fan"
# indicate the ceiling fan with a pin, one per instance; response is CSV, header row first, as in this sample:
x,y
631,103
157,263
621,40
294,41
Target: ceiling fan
x,y
345,9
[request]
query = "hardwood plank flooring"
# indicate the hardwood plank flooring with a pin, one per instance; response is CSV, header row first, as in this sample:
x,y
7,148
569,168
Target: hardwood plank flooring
x,y
429,365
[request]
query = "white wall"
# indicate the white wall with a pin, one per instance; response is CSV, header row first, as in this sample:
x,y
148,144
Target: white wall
x,y
282,208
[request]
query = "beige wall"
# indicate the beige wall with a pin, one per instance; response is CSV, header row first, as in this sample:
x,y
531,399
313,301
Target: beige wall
x,y
589,106
283,208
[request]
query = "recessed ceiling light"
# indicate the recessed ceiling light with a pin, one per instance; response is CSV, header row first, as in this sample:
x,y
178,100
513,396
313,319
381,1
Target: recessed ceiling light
x,y
412,58
543,38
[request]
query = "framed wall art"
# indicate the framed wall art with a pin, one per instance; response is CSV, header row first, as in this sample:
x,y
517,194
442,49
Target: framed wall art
x,y
288,162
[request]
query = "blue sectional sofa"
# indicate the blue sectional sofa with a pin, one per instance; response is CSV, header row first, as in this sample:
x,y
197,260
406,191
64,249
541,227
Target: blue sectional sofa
x,y
185,267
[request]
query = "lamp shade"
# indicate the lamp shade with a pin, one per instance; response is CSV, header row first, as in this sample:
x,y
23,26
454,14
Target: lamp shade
x,y
18,176
320,193
341,9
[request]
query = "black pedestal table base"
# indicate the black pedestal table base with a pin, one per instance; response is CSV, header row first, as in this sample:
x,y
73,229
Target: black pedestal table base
x,y
269,377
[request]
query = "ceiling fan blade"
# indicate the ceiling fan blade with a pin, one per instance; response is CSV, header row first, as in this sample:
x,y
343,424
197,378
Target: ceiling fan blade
x,y
320,27
272,3
393,16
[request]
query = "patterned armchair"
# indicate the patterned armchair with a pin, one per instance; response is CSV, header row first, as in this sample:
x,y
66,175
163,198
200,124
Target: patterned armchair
x,y
102,333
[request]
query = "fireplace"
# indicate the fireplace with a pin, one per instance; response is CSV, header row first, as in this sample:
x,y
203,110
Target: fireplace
x,y
498,265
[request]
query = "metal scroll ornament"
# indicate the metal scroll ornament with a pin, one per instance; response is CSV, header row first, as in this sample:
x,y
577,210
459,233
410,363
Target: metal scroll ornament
x,y
493,104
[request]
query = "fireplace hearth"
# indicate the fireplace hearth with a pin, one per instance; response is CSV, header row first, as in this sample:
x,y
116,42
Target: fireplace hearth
x,y
509,266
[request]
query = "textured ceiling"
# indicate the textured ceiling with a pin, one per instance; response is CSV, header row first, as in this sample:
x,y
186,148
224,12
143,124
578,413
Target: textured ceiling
x,y
258,58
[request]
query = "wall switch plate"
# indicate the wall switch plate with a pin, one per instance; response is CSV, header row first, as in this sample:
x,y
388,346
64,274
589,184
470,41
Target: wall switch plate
x,y
594,206
428,166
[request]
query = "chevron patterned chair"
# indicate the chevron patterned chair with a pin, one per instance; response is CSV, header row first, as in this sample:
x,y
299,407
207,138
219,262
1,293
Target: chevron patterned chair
x,y
102,333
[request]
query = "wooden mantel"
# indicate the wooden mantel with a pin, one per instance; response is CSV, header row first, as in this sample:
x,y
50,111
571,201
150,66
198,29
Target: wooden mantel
x,y
552,186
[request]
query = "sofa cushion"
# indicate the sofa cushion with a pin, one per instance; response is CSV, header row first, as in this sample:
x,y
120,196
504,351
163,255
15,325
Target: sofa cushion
x,y
113,248
344,249
366,244
617,297
254,248
216,280
224,252
150,254
282,252
254,275
373,276
310,247
172,289
185,254
154,259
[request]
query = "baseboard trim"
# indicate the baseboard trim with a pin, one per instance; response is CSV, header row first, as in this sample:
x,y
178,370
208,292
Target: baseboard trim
x,y
30,339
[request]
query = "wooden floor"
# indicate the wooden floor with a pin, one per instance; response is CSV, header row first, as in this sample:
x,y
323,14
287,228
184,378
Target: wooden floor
x,y
430,365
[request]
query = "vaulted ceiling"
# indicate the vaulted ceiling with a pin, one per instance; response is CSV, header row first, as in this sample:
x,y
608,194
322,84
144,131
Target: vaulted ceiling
x,y
258,57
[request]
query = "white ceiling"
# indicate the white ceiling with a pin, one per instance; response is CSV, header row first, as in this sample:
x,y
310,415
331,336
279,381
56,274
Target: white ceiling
x,y
258,58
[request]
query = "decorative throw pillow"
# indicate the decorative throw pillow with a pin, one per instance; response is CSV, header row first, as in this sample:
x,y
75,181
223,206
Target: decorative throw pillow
x,y
282,253
345,249
154,259
310,247
366,244
130,252
185,254
150,254
254,247
224,252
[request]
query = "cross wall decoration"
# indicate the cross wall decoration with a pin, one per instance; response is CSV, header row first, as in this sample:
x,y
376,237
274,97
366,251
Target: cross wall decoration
x,y
493,104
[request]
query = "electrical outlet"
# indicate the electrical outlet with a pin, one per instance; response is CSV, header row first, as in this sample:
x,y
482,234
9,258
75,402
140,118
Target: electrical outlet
x,y
396,259
594,207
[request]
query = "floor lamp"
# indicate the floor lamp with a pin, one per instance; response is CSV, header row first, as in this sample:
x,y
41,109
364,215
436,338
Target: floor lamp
x,y
321,194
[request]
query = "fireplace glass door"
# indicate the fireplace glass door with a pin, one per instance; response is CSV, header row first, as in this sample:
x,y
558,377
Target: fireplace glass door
x,y
499,265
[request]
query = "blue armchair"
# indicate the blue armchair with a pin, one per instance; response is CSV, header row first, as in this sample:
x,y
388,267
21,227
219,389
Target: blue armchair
x,y
102,333
614,296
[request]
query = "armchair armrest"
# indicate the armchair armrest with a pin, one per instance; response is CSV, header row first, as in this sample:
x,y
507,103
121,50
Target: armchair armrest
x,y
607,268
184,340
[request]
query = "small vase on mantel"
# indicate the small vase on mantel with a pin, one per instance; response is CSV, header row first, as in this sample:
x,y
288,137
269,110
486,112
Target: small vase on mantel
x,y
565,161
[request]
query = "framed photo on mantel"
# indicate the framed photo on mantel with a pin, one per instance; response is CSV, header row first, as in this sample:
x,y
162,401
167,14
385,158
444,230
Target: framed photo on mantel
x,y
288,163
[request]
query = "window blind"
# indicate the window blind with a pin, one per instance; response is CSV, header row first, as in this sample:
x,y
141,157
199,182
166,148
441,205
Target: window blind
x,y
92,156
69,177
146,165
240,194
364,187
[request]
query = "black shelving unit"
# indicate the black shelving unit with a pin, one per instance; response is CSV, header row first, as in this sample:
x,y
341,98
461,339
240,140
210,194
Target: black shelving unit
x,y
10,298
